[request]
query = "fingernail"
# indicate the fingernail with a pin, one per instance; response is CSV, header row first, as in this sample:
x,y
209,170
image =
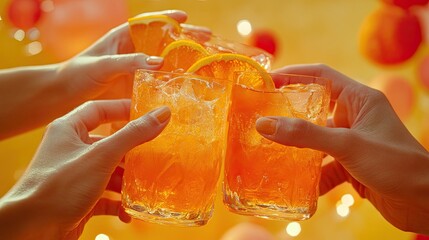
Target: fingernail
x,y
154,60
266,125
162,114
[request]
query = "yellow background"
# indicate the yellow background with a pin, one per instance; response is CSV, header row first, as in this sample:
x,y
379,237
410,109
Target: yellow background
x,y
308,31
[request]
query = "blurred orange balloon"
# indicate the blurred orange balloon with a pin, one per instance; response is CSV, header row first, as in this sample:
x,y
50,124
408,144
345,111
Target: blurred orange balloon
x,y
24,14
390,35
423,72
399,91
264,39
71,26
406,3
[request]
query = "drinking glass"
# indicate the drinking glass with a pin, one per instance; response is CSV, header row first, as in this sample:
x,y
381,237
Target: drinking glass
x,y
217,44
264,178
173,178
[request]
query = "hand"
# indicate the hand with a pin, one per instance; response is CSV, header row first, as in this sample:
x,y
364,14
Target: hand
x,y
33,96
105,70
63,186
372,149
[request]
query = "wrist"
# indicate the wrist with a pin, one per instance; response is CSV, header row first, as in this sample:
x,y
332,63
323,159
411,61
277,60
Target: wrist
x,y
23,218
71,77
29,91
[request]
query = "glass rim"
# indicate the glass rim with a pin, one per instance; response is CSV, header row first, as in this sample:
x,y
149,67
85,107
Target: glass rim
x,y
323,81
186,74
285,74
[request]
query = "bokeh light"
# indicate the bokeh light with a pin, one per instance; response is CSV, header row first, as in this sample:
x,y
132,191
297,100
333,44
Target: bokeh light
x,y
247,231
33,34
293,229
244,27
19,35
347,200
343,210
33,48
47,6
102,236
303,33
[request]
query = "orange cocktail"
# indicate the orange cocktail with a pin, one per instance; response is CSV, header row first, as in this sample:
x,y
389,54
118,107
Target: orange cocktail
x,y
181,45
172,179
264,178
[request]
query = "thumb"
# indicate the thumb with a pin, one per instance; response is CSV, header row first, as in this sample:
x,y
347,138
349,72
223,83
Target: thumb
x,y
124,64
303,134
136,132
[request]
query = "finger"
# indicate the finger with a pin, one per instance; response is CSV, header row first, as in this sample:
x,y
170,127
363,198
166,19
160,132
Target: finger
x,y
123,216
136,132
93,113
115,182
303,69
119,64
303,134
121,35
122,163
194,28
330,122
114,127
106,206
111,207
333,174
339,81
94,138
178,15
281,79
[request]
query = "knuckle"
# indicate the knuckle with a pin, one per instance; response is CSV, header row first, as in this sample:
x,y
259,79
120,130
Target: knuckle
x,y
376,95
297,127
56,124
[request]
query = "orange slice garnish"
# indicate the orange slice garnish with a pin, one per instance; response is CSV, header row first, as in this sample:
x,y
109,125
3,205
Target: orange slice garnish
x,y
151,34
224,65
181,54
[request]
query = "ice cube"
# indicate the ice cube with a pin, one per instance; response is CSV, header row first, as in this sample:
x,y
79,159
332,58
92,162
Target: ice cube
x,y
172,87
305,100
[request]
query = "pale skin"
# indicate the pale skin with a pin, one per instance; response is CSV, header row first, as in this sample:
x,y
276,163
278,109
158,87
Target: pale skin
x,y
386,164
52,200
371,147
64,184
33,96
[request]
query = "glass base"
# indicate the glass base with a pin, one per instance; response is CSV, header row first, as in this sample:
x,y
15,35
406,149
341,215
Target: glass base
x,y
165,217
266,211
